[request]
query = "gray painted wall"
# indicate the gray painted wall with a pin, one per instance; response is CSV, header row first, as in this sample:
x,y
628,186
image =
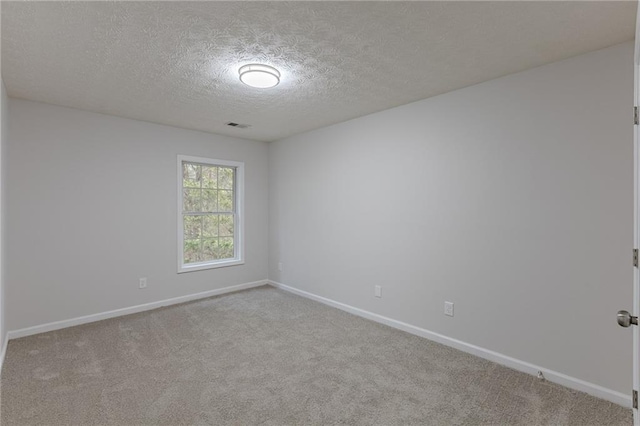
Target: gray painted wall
x,y
4,127
512,198
91,207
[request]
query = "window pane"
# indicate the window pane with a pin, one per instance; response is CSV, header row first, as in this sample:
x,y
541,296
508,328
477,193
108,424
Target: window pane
x,y
191,175
225,201
210,226
192,251
225,178
209,177
226,248
191,200
209,200
192,227
226,225
210,249
209,217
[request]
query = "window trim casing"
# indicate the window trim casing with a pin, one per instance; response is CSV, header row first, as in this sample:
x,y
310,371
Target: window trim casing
x,y
238,224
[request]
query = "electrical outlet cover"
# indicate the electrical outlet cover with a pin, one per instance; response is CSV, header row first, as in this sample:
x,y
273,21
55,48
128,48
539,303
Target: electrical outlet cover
x,y
448,308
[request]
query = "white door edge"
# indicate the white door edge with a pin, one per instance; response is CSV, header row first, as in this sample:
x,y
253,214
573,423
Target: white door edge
x,y
636,219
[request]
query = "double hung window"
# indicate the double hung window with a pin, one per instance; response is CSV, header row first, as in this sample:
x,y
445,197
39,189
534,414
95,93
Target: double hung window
x,y
210,213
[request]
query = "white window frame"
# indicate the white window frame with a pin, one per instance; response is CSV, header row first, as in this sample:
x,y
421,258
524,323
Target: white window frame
x,y
238,242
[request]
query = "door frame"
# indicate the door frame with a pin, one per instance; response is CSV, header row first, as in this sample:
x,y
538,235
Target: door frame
x,y
636,215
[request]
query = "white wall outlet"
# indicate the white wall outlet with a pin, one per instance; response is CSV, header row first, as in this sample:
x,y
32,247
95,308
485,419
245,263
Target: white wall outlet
x,y
377,291
143,282
280,266
448,308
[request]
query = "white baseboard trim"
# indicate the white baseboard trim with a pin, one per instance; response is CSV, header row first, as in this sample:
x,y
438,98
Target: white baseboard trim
x,y
516,364
57,325
3,350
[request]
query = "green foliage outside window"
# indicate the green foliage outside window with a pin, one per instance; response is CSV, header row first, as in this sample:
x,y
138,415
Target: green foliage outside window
x,y
208,212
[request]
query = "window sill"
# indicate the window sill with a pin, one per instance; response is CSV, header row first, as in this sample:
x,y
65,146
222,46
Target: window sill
x,y
209,265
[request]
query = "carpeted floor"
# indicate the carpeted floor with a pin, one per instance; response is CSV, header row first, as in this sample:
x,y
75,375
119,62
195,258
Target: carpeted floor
x,y
263,356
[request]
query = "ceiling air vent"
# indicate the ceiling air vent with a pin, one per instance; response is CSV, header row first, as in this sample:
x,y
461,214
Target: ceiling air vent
x,y
238,125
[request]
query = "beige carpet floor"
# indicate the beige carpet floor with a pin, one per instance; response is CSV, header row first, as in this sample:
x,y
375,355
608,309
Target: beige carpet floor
x,y
266,357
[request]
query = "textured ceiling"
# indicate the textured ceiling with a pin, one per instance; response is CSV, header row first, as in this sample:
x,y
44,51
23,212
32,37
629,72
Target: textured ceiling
x,y
176,62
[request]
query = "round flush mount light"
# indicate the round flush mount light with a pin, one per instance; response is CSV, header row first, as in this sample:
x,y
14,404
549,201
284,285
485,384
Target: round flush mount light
x,y
260,76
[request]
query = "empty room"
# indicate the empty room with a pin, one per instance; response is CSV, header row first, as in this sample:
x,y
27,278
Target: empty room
x,y
319,213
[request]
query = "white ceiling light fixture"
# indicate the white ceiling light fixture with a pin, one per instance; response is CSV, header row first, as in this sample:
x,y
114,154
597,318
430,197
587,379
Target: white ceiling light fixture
x,y
260,76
